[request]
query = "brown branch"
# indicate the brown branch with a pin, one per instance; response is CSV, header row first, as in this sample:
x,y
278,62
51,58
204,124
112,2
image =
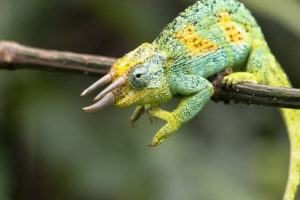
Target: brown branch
x,y
262,95
250,93
15,56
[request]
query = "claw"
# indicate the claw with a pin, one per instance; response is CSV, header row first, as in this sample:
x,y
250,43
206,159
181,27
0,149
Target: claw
x,y
101,82
107,100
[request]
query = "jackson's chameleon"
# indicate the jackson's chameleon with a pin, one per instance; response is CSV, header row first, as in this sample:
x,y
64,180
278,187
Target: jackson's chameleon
x,y
206,38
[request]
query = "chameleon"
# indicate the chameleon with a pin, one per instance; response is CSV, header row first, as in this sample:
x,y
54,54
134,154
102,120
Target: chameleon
x,y
205,39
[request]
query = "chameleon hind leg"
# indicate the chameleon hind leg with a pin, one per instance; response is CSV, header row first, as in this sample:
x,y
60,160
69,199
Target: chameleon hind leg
x,y
196,91
239,77
261,68
258,64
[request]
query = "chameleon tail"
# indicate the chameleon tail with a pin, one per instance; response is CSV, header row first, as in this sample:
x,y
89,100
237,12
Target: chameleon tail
x,y
276,76
263,66
292,120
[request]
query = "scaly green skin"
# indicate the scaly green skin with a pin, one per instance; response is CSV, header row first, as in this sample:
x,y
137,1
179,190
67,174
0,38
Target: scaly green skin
x,y
206,38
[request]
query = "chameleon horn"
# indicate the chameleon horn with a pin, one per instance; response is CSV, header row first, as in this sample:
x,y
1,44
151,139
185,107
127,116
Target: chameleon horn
x,y
105,101
117,83
101,82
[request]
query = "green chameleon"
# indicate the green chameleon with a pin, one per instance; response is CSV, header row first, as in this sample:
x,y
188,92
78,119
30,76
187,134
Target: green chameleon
x,y
206,38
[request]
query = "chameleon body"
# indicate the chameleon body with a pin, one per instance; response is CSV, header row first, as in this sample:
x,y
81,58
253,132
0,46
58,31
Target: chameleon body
x,y
206,38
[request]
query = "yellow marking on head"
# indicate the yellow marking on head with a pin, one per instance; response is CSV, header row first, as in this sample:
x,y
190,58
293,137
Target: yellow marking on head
x,y
232,33
193,42
123,65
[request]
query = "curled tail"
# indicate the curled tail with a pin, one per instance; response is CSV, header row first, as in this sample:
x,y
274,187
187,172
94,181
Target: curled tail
x,y
268,71
292,120
263,68
277,77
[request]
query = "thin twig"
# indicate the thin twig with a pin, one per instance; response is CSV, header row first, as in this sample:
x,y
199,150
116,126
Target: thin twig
x,y
15,56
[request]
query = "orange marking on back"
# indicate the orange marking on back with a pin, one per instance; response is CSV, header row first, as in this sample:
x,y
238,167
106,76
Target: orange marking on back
x,y
232,33
193,42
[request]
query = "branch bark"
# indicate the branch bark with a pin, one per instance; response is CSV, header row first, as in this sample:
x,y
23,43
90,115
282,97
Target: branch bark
x,y
14,56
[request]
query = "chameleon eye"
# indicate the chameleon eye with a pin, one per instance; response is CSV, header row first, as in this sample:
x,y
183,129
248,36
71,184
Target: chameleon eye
x,y
138,75
138,78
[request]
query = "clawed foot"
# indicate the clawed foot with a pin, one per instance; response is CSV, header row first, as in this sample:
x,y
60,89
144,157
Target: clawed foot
x,y
170,127
156,113
239,77
138,113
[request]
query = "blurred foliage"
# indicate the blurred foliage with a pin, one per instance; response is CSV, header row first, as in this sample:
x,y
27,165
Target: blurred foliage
x,y
285,12
49,149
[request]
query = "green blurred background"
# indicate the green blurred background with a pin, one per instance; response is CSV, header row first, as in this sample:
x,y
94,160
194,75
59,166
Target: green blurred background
x,y
51,150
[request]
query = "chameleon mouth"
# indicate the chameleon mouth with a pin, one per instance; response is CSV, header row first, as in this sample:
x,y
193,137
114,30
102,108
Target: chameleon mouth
x,y
106,97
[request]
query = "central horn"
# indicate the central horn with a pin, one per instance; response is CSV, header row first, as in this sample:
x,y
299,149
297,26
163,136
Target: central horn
x,y
106,97
101,82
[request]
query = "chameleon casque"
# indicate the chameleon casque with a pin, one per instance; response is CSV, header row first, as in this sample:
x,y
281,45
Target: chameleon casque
x,y
206,38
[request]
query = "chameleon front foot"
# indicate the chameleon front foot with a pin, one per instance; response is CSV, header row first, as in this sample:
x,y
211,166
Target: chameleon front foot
x,y
168,129
136,115
239,77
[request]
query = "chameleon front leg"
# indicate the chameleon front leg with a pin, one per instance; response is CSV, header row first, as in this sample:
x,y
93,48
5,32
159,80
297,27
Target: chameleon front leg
x,y
196,91
136,115
138,112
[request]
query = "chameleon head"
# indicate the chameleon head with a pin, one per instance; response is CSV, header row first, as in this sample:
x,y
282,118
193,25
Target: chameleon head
x,y
136,78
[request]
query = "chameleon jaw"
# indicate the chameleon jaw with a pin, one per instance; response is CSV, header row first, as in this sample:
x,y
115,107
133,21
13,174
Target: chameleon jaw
x,y
106,97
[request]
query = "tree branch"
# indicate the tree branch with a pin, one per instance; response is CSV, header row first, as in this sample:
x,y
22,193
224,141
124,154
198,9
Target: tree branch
x,y
250,93
15,56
